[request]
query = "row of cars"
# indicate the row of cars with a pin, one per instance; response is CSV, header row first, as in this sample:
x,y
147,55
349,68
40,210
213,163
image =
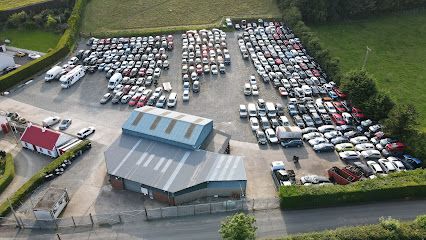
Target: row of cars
x,y
203,52
65,123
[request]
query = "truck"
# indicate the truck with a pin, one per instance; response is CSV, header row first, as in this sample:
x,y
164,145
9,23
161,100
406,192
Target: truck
x,y
72,76
281,176
114,80
289,136
53,74
343,176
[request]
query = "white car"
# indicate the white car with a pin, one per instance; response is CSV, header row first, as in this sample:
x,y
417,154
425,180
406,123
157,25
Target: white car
x,y
349,155
332,134
359,140
387,165
50,121
254,124
364,146
253,80
85,132
254,90
185,96
376,168
371,154
317,140
311,135
326,128
214,70
270,134
398,164
34,56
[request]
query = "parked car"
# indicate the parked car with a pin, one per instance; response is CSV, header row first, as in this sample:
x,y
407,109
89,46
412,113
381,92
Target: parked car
x,y
270,134
371,154
376,168
50,121
314,179
323,147
85,132
243,111
261,137
342,147
65,123
349,155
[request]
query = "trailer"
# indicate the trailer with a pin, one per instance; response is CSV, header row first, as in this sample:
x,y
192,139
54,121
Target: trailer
x,y
281,176
72,76
342,176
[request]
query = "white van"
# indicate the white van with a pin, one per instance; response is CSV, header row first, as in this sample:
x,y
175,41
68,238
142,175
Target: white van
x,y
270,109
252,110
247,89
53,73
171,101
114,80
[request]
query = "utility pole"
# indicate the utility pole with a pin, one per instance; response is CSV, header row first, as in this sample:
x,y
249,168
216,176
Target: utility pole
x,y
366,57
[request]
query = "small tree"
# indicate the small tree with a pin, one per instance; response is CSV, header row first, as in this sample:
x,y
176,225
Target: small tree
x,y
16,19
378,106
51,21
402,121
360,86
238,227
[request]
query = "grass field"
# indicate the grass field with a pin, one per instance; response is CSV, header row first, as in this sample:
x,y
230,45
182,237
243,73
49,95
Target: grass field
x,y
10,4
105,15
36,40
398,56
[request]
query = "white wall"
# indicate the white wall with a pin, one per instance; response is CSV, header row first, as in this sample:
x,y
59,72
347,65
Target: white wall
x,y
6,61
27,145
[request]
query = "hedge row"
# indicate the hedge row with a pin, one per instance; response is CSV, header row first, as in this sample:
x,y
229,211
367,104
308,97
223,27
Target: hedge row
x,y
408,184
387,229
64,46
37,179
9,173
318,11
174,29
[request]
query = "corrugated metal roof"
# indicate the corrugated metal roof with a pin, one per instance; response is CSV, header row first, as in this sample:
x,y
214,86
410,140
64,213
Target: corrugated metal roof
x,y
168,125
167,167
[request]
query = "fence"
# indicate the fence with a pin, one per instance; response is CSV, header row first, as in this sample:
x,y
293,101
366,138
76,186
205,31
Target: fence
x,y
102,220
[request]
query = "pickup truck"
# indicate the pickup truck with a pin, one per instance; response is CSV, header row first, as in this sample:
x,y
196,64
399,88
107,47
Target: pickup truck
x,y
281,176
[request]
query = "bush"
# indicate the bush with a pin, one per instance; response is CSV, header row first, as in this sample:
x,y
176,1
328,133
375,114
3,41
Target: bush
x,y
390,223
64,46
16,19
409,184
37,179
421,221
50,22
9,173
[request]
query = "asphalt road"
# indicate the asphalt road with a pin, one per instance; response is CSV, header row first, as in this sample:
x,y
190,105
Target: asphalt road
x,y
272,223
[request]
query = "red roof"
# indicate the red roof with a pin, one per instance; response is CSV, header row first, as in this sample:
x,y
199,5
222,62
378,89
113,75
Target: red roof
x,y
45,139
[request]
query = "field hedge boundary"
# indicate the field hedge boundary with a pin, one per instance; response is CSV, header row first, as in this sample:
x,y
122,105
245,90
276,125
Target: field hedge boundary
x,y
9,173
176,29
65,45
385,230
37,179
402,185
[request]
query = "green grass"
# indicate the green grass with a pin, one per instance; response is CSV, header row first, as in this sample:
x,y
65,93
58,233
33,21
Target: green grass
x,y
11,4
36,40
113,15
398,56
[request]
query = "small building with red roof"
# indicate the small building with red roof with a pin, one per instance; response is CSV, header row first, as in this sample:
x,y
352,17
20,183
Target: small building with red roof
x,y
44,140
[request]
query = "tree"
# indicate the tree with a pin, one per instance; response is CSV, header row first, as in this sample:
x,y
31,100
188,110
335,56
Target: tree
x,y
378,106
238,227
51,21
359,86
16,19
402,121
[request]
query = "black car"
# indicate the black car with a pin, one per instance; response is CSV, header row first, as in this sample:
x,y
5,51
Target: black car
x,y
364,168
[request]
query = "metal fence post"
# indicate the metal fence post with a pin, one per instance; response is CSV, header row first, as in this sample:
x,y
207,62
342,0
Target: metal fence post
x,y
56,223
91,219
119,218
72,218
252,206
161,212
194,209
146,213
226,206
210,205
22,223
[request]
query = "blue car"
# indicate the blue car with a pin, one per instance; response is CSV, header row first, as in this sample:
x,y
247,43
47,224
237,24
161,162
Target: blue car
x,y
333,95
292,143
415,162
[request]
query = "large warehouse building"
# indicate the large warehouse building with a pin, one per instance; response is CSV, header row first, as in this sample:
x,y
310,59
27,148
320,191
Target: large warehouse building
x,y
174,157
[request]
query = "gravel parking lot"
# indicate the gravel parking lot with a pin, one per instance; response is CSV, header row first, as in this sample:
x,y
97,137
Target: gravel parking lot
x,y
218,99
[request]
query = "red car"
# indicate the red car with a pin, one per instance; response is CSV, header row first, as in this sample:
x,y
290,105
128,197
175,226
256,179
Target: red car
x,y
142,72
286,42
126,89
303,66
395,147
142,101
276,37
339,106
296,46
315,72
170,38
357,114
339,93
134,100
283,91
278,61
337,119
126,72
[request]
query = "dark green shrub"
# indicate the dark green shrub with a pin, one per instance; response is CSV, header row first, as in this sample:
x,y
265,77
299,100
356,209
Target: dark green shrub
x,y
9,173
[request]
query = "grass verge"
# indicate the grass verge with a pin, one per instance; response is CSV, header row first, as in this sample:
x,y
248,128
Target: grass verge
x,y
112,15
398,56
36,40
402,185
